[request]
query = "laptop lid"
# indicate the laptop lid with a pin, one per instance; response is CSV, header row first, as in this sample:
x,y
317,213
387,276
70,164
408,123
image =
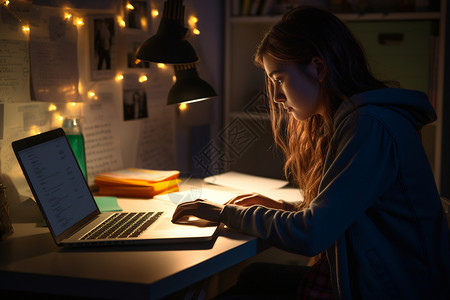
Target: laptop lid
x,y
56,182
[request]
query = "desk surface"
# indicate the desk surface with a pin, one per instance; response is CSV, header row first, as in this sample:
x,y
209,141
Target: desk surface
x,y
30,261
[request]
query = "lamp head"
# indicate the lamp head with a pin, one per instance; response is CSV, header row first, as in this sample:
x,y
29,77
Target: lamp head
x,y
189,87
169,45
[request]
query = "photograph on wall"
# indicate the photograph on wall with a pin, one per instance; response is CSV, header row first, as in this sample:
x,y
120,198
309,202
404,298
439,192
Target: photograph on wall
x,y
136,14
134,104
103,44
133,43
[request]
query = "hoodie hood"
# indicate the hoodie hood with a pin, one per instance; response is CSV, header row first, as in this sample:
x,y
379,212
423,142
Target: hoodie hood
x,y
412,105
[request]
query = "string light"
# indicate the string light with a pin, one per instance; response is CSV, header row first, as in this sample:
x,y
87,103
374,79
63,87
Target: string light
x,y
192,21
52,107
121,22
182,107
91,94
174,78
67,16
26,28
142,78
6,3
161,66
79,21
119,77
129,6
155,13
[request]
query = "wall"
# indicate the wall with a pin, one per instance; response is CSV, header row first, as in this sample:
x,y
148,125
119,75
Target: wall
x,y
161,139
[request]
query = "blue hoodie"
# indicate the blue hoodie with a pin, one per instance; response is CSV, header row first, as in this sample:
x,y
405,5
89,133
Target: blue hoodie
x,y
378,213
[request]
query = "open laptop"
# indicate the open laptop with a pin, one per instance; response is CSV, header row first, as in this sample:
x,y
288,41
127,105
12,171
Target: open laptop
x,y
71,212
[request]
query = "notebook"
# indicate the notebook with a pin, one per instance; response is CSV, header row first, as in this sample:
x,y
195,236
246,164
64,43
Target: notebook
x,y
69,208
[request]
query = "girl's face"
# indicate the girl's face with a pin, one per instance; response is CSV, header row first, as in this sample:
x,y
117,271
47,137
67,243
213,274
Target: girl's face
x,y
295,87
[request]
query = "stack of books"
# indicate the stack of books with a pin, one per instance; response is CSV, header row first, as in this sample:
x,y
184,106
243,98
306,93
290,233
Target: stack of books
x,y
137,183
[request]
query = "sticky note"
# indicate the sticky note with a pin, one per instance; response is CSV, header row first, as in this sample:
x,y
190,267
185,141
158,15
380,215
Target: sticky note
x,y
107,203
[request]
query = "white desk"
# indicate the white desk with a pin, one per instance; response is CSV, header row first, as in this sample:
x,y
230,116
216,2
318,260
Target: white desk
x,y
30,261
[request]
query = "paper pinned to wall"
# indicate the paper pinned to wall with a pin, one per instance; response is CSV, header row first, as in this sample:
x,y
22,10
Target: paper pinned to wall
x,y
14,60
53,55
156,143
21,120
102,142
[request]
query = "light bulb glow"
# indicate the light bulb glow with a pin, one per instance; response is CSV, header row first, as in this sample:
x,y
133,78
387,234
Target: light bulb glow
x,y
161,66
119,77
67,15
182,107
121,22
52,107
143,78
196,31
26,28
192,21
79,21
129,6
91,94
155,13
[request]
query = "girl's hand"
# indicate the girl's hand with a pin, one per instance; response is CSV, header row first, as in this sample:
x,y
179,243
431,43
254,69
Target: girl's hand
x,y
256,199
203,209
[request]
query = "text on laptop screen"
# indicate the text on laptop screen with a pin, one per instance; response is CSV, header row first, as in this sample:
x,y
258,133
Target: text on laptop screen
x,y
58,183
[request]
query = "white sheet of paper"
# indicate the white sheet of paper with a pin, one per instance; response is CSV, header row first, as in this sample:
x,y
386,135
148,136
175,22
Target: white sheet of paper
x,y
14,60
198,193
245,182
53,56
101,138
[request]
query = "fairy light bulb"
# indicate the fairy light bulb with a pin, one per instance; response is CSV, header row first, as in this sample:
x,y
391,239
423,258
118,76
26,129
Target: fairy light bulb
x,y
142,78
182,107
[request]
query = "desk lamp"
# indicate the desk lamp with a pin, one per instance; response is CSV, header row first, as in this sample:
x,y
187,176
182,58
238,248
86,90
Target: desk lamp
x,y
189,87
169,46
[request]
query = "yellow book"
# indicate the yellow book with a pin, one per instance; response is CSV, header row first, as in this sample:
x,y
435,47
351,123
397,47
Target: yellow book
x,y
136,191
133,182
134,176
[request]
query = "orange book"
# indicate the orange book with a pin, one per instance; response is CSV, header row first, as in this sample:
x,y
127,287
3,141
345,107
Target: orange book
x,y
134,182
137,191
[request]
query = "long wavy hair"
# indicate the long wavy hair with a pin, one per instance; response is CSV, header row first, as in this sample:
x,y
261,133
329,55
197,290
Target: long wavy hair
x,y
302,34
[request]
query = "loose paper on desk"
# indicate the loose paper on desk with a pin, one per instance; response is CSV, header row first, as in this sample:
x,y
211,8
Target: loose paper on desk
x,y
198,193
245,182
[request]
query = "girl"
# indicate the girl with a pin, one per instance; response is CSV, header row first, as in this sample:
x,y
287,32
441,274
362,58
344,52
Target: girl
x,y
371,207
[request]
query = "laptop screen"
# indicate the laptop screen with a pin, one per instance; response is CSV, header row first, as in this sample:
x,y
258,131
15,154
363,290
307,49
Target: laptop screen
x,y
58,183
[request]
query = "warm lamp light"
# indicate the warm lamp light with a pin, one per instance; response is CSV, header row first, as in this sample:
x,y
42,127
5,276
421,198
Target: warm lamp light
x,y
189,87
169,45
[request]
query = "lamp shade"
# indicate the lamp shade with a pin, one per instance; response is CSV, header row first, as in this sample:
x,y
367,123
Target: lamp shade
x,y
189,87
169,45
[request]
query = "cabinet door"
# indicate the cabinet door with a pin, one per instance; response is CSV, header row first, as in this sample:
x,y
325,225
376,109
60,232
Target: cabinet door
x,y
403,51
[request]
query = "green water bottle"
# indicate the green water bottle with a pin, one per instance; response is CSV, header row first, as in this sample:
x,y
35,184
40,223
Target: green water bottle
x,y
72,128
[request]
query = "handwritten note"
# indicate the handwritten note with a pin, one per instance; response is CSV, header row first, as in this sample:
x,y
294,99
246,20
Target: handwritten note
x,y
156,146
100,130
53,54
14,60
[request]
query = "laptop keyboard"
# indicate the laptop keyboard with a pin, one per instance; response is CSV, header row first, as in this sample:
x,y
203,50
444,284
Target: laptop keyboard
x,y
123,225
